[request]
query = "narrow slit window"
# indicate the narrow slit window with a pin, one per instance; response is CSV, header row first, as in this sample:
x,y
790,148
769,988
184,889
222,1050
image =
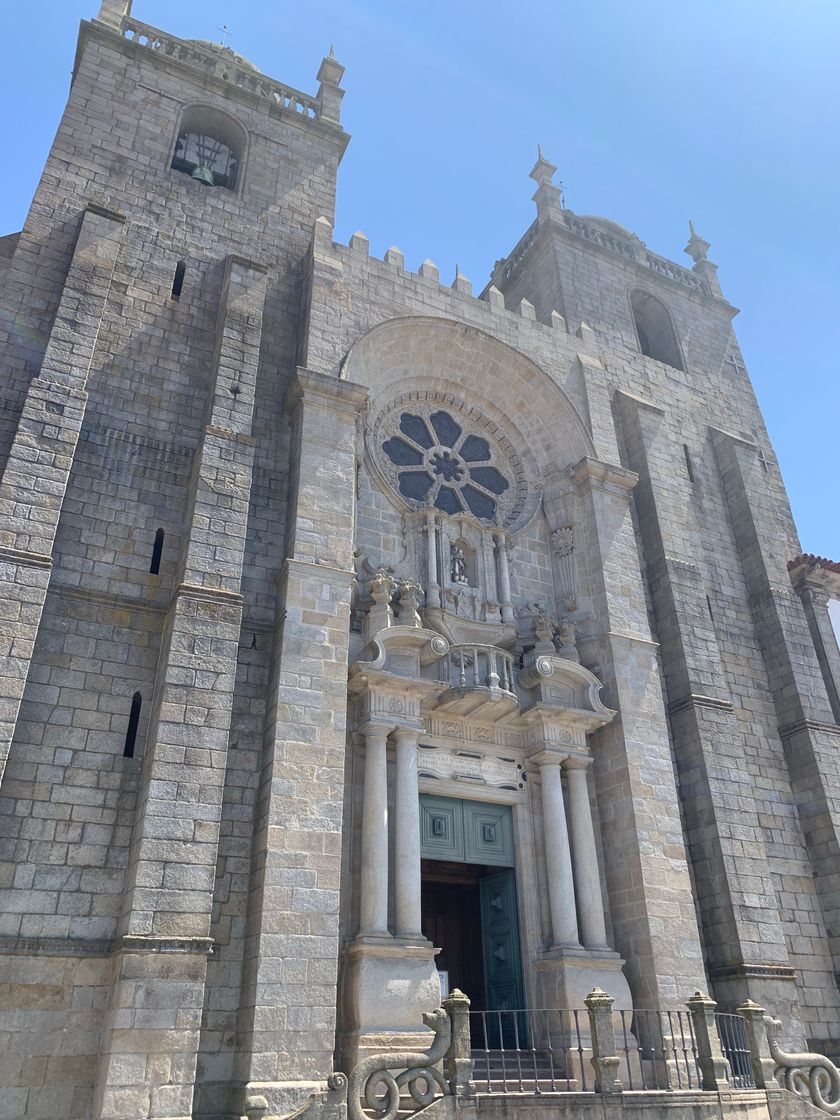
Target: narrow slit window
x,y
688,465
133,722
178,282
709,605
157,552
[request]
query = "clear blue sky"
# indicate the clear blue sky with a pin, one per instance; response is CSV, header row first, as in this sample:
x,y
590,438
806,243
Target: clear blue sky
x,y
724,111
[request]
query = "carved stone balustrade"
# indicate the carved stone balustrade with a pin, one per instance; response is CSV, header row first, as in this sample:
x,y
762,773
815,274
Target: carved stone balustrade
x,y
480,678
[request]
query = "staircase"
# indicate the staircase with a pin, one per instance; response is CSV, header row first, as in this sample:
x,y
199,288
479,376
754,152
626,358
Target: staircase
x,y
521,1071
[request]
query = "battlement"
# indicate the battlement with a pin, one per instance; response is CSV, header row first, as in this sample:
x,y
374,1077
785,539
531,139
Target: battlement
x,y
605,235
491,298
213,60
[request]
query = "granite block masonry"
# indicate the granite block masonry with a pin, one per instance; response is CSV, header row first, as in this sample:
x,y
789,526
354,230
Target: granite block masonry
x,y
362,638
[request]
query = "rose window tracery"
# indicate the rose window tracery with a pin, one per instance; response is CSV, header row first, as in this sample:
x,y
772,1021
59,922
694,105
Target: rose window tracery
x,y
439,462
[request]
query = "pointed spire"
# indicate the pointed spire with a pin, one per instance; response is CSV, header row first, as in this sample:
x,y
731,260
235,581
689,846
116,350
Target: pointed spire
x,y
697,246
542,172
548,196
329,91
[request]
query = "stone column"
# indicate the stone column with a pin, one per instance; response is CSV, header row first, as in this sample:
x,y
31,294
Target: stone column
x,y
585,856
504,579
374,875
561,890
407,837
432,586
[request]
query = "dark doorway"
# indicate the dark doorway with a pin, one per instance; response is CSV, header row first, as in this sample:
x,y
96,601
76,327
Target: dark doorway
x,y
452,922
469,913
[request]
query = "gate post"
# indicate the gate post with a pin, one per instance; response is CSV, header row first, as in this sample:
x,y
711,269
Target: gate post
x,y
763,1065
713,1065
459,1066
605,1060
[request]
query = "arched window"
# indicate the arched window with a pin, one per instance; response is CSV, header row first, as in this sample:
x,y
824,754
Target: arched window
x,y
654,329
209,147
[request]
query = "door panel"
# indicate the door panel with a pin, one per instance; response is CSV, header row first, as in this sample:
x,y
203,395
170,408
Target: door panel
x,y
503,985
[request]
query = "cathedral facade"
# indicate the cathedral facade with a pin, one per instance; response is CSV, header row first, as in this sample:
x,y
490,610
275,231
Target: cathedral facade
x,y
365,636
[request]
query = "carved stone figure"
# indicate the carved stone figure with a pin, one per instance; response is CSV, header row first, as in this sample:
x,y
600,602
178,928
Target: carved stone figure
x,y
458,565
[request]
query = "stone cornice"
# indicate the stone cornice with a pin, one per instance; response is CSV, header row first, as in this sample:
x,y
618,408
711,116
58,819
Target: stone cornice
x,y
807,726
330,392
597,474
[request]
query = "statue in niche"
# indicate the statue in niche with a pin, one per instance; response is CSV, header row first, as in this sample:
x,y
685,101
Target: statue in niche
x,y
458,565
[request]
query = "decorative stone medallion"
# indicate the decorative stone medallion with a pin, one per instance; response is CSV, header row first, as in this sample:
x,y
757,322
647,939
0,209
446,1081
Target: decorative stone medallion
x,y
436,451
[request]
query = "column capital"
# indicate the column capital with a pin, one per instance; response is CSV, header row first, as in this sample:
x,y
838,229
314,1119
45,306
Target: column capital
x,y
406,733
548,756
373,729
576,762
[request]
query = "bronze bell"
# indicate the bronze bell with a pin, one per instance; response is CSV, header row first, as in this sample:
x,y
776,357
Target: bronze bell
x,y
204,174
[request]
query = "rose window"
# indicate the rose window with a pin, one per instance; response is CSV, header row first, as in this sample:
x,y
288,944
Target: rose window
x,y
440,463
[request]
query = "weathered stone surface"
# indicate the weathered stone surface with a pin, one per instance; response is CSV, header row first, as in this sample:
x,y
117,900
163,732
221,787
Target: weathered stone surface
x,y
200,523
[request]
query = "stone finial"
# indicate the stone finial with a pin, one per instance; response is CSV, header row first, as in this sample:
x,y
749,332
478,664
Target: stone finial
x,y
360,242
542,172
330,93
113,12
698,248
585,333
381,588
429,271
395,257
461,283
548,196
494,297
410,593
557,321
526,309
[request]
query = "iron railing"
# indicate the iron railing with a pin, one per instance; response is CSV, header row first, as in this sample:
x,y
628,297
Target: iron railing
x,y
732,1032
658,1049
531,1051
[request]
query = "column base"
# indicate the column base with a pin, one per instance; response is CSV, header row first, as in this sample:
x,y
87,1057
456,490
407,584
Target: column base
x,y
274,1100
565,977
388,984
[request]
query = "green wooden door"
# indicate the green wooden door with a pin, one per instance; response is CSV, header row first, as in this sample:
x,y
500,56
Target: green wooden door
x,y
503,985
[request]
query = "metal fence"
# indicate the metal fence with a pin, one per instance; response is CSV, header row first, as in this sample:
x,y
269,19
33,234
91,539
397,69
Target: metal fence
x,y
531,1051
539,1051
658,1048
732,1032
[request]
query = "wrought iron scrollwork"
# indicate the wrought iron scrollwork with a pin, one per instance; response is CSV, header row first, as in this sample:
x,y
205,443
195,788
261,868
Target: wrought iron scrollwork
x,y
811,1076
375,1085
